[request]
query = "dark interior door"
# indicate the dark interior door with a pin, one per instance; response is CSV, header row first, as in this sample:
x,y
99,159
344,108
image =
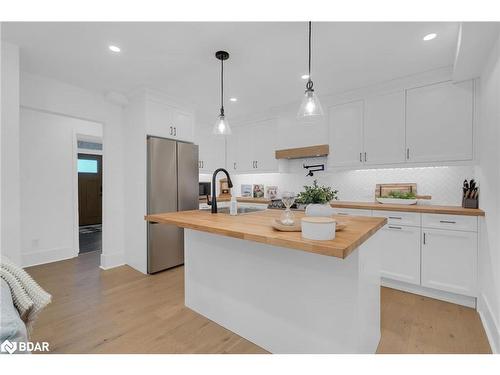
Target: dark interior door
x,y
90,189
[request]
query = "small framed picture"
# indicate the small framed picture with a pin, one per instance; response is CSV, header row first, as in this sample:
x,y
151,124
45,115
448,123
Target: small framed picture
x,y
258,191
246,190
272,192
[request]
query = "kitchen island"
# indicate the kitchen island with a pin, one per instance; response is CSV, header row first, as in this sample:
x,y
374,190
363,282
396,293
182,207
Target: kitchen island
x,y
284,293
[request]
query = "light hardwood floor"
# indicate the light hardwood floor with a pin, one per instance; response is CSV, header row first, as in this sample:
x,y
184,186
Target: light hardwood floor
x,y
124,311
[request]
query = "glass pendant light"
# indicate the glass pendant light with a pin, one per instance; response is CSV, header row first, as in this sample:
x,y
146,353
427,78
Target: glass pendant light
x,y
310,105
221,126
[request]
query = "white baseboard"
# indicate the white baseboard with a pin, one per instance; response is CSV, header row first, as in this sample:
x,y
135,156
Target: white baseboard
x,y
112,260
431,293
35,258
490,324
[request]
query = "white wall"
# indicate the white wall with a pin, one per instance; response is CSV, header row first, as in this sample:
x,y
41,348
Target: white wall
x,y
56,97
488,174
10,197
49,185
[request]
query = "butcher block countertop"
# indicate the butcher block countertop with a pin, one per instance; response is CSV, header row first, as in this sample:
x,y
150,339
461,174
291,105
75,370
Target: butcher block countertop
x,y
240,199
256,226
448,210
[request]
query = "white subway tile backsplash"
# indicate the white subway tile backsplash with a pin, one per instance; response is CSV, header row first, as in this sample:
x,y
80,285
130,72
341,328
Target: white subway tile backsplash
x,y
443,183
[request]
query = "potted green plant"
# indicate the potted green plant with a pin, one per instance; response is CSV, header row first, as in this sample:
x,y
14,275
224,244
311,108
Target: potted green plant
x,y
317,199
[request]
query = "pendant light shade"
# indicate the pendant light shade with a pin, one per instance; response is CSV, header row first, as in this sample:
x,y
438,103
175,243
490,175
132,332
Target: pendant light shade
x,y
221,126
310,105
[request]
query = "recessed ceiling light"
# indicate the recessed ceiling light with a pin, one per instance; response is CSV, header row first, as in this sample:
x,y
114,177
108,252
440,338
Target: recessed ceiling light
x,y
233,99
114,48
304,76
430,36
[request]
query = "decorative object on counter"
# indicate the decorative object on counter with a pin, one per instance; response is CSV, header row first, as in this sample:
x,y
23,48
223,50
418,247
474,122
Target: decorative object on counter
x,y
400,193
271,192
233,206
470,196
258,191
278,225
313,168
317,199
246,190
277,204
287,216
310,105
318,228
221,126
224,188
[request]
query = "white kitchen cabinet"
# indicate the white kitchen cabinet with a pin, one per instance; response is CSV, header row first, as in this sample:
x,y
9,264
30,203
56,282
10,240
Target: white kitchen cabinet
x,y
439,122
400,253
449,260
346,134
251,148
212,148
384,128
163,120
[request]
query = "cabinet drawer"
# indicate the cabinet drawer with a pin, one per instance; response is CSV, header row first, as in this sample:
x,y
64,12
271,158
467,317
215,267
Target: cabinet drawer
x,y
452,222
352,212
399,218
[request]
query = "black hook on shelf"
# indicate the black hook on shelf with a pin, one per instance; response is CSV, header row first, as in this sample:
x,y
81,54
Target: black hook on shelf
x,y
313,168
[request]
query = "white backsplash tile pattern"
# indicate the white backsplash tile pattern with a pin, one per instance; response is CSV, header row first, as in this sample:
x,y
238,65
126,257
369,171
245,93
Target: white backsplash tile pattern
x,y
443,183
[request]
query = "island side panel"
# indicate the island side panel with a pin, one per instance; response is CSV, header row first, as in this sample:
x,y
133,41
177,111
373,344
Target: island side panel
x,y
284,300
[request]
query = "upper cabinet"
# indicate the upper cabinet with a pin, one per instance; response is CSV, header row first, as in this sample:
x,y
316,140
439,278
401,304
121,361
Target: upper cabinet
x,y
346,134
384,128
212,153
439,122
434,124
251,147
166,121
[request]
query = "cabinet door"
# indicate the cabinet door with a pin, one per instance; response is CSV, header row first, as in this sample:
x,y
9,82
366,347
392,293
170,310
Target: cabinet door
x,y
183,125
400,253
232,147
439,122
245,157
346,134
211,149
384,129
449,260
159,120
264,146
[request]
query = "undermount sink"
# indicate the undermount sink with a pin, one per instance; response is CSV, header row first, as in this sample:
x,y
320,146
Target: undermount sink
x,y
241,210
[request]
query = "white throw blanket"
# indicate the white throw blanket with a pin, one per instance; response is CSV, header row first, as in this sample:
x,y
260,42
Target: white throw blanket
x,y
28,297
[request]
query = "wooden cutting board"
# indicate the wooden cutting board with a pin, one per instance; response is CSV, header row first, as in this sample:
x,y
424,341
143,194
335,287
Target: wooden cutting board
x,y
384,189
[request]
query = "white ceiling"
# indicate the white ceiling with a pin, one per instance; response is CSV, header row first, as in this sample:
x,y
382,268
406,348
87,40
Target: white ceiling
x,y
267,59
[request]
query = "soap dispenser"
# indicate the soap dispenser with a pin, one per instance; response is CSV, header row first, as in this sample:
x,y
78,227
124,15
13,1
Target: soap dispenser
x,y
233,206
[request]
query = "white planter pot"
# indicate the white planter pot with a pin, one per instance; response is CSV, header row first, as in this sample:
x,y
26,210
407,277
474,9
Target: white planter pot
x,y
318,228
320,210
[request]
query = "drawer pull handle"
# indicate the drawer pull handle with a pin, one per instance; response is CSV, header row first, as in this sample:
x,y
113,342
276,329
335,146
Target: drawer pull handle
x,y
424,238
395,217
447,221
342,213
394,227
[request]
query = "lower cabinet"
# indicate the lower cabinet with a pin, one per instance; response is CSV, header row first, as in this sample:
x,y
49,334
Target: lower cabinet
x,y
449,260
400,253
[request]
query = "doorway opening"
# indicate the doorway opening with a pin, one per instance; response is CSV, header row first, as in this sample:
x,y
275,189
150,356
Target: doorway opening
x,y
90,201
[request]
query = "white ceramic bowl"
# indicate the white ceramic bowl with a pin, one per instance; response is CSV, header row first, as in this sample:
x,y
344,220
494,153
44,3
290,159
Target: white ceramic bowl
x,y
318,228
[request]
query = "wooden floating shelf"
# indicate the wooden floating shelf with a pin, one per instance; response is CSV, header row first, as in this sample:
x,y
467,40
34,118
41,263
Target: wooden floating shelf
x,y
303,152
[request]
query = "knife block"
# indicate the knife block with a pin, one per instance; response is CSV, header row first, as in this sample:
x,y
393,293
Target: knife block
x,y
470,203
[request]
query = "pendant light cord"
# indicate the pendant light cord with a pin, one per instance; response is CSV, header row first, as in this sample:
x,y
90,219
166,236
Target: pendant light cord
x,y
222,87
309,84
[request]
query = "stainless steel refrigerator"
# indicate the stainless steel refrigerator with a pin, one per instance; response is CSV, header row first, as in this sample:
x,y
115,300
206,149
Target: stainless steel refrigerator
x,y
172,186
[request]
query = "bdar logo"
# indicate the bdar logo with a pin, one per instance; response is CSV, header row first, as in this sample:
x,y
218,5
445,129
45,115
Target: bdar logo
x,y
8,346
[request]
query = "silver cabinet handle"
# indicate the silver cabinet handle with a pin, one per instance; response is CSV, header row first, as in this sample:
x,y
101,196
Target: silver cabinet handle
x,y
171,130
342,213
202,164
392,227
365,157
175,131
234,165
447,221
360,157
408,153
424,238
395,217
256,164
